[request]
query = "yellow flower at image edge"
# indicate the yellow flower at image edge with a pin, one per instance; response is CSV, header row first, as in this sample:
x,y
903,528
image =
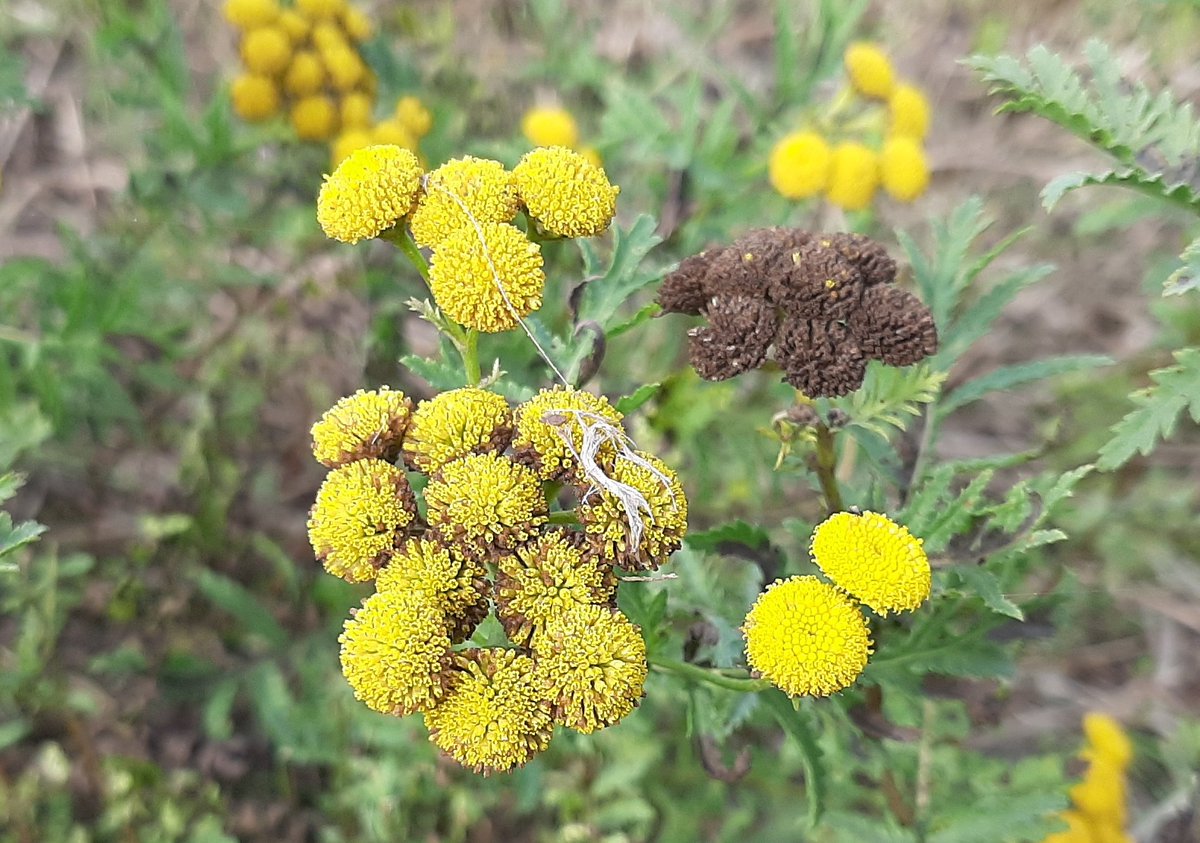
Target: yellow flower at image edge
x,y
806,637
414,116
368,193
492,717
396,653
487,282
853,176
250,14
565,193
456,423
874,559
870,70
314,118
903,168
550,126
360,510
459,193
1106,739
799,165
369,423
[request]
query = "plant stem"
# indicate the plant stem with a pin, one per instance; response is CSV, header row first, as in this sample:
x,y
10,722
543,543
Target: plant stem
x,y
712,677
567,516
826,460
470,353
399,237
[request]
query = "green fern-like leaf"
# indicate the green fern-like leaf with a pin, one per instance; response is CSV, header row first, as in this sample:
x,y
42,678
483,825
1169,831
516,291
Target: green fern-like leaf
x,y
889,397
1175,389
1187,277
1157,185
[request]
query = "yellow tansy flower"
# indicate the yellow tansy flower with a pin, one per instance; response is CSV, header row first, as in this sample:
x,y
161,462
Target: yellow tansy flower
x,y
305,75
365,424
903,168
1106,739
356,23
481,504
592,156
254,97
266,50
314,118
487,282
806,637
321,9
462,191
356,110
251,14
396,653
606,518
456,423
592,663
413,114
362,508
799,165
874,559
394,132
456,585
348,141
368,193
908,111
565,193
327,36
550,126
853,176
544,579
870,70
542,420
492,717
295,25
345,67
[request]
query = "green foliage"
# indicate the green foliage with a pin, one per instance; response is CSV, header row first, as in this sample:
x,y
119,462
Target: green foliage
x,y
1175,389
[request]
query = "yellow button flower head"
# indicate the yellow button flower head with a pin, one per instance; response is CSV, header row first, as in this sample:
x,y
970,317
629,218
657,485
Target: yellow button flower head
x,y
266,50
543,419
356,23
345,67
607,518
550,126
487,283
592,156
414,115
870,70
295,25
544,579
314,118
874,559
903,168
853,176
456,586
396,653
1101,795
393,132
492,718
456,423
348,141
321,9
799,165
908,111
254,97
592,663
460,190
1106,739
328,36
356,110
369,423
565,193
305,75
361,509
806,637
485,503
368,193
251,14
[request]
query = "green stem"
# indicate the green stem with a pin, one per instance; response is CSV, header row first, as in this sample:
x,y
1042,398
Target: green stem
x,y
399,237
826,459
712,677
470,353
567,516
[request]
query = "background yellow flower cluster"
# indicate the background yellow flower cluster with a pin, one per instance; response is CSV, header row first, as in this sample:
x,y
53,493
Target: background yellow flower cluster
x,y
553,125
484,536
1099,814
305,60
849,151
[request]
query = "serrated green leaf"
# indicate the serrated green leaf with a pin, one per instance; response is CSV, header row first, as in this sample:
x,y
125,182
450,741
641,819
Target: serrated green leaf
x,y
1026,816
972,659
1187,277
1006,377
1151,184
736,532
437,373
13,537
797,726
1175,389
978,580
890,396
609,287
628,403
962,331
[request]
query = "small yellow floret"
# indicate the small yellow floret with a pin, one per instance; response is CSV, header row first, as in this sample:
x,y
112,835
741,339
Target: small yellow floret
x,y
903,169
462,191
799,165
541,421
874,559
396,653
870,70
414,115
550,126
345,67
305,75
456,423
451,582
356,23
254,97
484,503
328,36
908,110
251,14
806,637
393,132
492,717
565,193
321,9
853,176
314,118
369,192
487,282
367,424
350,140
266,50
295,25
356,109
606,517
1107,739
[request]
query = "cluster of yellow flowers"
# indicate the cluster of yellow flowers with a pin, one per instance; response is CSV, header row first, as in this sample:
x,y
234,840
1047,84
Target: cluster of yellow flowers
x,y
849,172
551,125
306,59
809,637
1099,814
487,535
486,273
